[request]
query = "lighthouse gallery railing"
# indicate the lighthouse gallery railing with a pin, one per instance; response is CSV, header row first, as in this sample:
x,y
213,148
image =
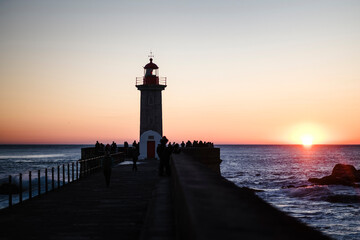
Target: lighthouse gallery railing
x,y
140,81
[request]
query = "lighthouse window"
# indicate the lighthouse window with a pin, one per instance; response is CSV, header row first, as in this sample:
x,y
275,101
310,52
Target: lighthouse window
x,y
151,100
149,72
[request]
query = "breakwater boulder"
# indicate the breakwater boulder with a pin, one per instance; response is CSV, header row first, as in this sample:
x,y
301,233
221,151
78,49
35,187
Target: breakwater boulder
x,y
342,198
342,174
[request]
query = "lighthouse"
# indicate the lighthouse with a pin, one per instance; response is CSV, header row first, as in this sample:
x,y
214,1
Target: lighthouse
x,y
150,87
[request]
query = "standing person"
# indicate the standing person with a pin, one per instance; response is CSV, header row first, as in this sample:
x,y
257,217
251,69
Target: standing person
x,y
164,155
107,167
168,152
161,151
126,147
113,147
134,144
135,154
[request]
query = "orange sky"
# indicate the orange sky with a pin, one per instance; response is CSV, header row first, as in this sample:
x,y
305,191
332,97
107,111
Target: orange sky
x,y
244,72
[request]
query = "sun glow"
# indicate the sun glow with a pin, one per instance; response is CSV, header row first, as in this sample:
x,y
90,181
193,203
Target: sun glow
x,y
308,134
307,140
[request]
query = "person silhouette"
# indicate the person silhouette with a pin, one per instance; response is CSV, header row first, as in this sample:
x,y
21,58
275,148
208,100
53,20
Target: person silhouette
x,y
113,147
107,162
164,153
161,151
135,154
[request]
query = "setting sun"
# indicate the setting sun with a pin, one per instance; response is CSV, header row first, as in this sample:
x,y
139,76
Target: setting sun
x,y
309,134
307,140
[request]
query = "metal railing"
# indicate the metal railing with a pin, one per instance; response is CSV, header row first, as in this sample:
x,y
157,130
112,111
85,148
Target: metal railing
x,y
65,174
140,81
44,182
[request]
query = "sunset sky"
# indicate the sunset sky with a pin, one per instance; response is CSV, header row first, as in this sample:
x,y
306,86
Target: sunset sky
x,y
240,72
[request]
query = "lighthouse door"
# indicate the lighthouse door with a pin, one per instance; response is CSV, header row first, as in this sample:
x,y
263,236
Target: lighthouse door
x,y
151,149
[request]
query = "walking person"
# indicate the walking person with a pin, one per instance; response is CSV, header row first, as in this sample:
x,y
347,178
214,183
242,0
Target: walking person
x,y
135,155
107,162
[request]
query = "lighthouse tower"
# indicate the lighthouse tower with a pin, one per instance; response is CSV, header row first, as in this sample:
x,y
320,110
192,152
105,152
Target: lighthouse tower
x,y
150,86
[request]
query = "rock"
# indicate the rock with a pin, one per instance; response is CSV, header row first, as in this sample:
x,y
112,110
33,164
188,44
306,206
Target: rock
x,y
346,171
342,174
7,188
331,180
342,198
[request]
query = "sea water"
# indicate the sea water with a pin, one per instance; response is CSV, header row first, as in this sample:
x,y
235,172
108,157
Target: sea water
x,y
281,174
16,159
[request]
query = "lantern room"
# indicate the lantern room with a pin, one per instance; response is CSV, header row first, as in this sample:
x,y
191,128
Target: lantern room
x,y
151,73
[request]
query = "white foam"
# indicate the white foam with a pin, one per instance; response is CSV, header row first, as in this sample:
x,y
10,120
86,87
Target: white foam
x,y
31,156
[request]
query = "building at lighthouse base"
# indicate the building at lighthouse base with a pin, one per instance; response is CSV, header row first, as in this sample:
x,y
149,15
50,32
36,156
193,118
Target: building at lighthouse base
x,y
149,141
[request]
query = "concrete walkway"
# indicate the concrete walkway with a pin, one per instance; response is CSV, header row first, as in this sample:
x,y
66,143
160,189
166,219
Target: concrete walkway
x,y
209,207
86,209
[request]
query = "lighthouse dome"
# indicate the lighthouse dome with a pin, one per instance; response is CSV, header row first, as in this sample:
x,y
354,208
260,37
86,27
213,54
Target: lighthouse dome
x,y
151,65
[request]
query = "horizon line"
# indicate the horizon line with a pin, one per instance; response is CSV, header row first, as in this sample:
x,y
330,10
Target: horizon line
x,y
218,144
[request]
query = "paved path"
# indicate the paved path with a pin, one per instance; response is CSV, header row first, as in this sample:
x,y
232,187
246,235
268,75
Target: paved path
x,y
86,209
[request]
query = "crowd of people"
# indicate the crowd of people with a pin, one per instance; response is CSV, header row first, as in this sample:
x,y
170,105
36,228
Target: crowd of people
x,y
197,144
101,148
163,150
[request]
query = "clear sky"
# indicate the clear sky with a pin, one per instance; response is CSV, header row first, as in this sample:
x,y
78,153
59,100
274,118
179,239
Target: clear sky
x,y
239,72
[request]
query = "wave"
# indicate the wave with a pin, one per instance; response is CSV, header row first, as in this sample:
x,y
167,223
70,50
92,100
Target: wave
x,y
31,156
310,192
322,193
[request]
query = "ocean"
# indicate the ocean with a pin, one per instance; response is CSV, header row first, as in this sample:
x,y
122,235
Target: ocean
x,y
280,173
16,159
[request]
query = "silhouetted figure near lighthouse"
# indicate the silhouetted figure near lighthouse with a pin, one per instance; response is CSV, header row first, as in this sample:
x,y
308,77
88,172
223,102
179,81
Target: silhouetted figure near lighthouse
x,y
164,155
135,155
107,162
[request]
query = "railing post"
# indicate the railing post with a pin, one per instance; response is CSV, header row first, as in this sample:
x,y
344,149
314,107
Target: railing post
x,y
20,187
10,193
39,183
77,173
63,174
72,169
46,181
91,167
68,173
52,179
30,187
58,180
85,167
